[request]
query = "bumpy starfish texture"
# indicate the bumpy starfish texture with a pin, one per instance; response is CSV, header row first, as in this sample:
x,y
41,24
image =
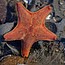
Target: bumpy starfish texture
x,y
30,27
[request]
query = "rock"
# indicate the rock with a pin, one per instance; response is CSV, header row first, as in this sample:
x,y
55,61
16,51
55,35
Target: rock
x,y
4,28
12,60
51,26
59,8
3,10
57,19
11,15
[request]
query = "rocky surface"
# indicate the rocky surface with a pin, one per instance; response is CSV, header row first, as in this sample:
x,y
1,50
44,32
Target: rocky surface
x,y
12,60
3,10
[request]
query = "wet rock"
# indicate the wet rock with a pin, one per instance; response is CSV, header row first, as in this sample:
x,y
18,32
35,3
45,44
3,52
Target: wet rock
x,y
60,29
51,26
38,4
59,7
11,15
57,19
48,55
12,60
3,10
4,28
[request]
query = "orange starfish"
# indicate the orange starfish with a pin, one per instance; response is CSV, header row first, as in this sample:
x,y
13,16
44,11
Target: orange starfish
x,y
30,27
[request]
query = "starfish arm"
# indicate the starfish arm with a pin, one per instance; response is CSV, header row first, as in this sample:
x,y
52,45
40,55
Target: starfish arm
x,y
41,15
42,33
17,33
24,16
26,46
44,12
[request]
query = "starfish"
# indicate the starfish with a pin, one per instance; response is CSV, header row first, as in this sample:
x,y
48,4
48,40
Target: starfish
x,y
30,28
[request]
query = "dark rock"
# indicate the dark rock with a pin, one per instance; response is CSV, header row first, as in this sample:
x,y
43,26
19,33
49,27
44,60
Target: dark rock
x,y
11,15
51,26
